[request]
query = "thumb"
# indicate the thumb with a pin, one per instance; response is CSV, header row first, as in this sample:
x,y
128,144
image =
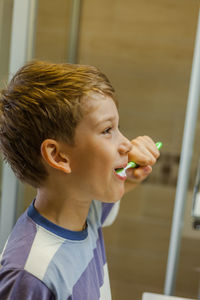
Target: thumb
x,y
138,174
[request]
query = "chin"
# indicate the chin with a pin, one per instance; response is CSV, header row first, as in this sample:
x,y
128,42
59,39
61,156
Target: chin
x,y
112,198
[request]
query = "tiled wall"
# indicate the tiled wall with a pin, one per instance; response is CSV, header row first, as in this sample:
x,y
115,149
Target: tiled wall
x,y
145,48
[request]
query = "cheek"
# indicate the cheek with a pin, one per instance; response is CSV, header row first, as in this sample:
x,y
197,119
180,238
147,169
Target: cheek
x,y
100,166
100,155
105,162
94,160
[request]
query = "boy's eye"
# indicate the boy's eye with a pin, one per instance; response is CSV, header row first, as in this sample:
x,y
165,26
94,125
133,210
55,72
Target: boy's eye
x,y
107,130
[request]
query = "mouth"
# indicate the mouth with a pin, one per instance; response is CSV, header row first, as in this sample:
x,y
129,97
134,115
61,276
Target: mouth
x,y
120,176
120,172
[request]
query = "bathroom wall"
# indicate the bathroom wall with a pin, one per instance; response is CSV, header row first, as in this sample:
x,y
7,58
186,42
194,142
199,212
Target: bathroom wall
x,y
145,48
52,31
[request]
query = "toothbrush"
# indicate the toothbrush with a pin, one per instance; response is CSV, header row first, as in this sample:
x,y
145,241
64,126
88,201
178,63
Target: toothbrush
x,y
132,164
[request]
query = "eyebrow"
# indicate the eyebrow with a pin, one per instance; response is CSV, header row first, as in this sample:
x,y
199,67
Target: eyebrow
x,y
106,119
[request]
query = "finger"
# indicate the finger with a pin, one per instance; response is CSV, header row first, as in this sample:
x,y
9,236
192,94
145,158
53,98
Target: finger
x,y
151,146
145,142
142,156
139,174
144,151
146,158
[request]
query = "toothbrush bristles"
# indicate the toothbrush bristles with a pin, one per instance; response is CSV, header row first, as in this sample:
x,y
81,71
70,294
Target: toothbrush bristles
x,y
122,172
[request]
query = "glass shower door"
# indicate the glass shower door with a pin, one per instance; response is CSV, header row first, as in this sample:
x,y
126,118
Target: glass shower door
x,y
18,31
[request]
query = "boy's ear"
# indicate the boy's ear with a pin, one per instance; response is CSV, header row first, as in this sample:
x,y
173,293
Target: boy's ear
x,y
53,156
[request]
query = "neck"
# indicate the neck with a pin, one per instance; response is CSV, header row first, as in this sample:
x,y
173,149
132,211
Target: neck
x,y
64,209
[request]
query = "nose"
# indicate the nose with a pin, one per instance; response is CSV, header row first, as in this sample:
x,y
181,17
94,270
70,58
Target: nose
x,y
125,145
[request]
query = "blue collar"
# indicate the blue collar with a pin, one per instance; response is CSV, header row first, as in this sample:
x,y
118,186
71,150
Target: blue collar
x,y
60,231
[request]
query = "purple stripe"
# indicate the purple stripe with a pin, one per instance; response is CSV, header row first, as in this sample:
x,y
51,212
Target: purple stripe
x,y
88,285
19,284
106,208
19,243
100,244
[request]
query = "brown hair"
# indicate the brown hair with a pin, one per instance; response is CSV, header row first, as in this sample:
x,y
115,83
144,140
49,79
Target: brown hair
x,y
43,100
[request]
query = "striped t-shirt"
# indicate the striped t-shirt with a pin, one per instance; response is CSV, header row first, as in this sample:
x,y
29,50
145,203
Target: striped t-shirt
x,y
43,261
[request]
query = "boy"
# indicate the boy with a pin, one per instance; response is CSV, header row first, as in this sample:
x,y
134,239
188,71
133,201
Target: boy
x,y
59,132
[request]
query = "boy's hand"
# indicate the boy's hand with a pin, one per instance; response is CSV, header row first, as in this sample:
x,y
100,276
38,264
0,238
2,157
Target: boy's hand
x,y
144,153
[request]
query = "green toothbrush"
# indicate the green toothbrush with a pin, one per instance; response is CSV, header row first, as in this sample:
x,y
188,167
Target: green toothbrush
x,y
132,164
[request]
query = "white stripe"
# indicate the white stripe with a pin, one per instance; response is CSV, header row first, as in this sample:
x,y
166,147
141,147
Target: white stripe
x,y
1,254
45,248
105,293
4,248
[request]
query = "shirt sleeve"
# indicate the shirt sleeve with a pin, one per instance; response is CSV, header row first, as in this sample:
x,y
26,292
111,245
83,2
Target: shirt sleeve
x,y
20,285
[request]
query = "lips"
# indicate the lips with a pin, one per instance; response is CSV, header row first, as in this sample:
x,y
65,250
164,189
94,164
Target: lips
x,y
121,176
122,166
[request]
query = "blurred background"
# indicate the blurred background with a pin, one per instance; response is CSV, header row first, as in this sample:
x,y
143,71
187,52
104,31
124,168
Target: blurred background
x,y
146,49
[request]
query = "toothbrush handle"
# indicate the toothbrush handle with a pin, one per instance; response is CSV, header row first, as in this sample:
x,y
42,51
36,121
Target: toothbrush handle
x,y
159,145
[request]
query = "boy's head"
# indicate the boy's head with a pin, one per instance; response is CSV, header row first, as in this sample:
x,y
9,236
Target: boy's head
x,y
42,101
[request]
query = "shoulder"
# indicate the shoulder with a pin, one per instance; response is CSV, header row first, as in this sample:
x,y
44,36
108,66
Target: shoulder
x,y
25,260
19,284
